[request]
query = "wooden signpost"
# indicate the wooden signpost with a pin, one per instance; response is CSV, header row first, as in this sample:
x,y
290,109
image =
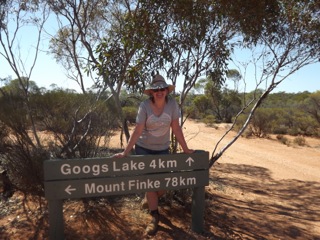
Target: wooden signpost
x,y
98,177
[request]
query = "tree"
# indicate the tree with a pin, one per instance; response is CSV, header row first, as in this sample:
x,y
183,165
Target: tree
x,y
82,25
202,104
198,43
14,16
291,43
14,87
311,105
235,77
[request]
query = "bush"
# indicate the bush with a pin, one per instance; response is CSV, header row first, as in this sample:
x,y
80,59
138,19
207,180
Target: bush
x,y
294,131
262,121
280,130
25,168
209,120
283,139
247,133
130,113
191,112
3,135
301,141
75,125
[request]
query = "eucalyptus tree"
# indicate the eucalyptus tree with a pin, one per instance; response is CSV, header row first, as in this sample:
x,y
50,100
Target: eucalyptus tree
x,y
129,52
81,27
15,17
196,43
188,39
24,150
311,105
288,43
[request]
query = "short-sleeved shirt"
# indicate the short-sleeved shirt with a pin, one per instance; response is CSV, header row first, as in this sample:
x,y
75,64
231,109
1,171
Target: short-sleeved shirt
x,y
156,132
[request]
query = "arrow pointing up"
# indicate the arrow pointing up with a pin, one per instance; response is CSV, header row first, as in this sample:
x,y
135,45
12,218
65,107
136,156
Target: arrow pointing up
x,y
69,189
189,161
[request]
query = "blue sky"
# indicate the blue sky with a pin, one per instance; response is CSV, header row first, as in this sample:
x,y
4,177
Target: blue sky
x,y
47,71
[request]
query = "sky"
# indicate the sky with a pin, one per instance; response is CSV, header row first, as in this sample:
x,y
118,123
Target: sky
x,y
47,71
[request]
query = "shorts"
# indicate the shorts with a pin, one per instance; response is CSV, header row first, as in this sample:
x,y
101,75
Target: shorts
x,y
144,151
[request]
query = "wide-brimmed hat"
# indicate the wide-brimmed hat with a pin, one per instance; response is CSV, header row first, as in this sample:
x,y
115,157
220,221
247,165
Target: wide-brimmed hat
x,y
158,82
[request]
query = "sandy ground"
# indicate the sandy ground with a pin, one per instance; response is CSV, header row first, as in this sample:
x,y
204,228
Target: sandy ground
x,y
259,189
283,162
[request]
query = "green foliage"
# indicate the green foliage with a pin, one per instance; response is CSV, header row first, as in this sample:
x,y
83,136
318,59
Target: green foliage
x,y
311,105
202,105
223,103
284,113
261,122
76,121
130,113
191,112
68,125
20,87
209,120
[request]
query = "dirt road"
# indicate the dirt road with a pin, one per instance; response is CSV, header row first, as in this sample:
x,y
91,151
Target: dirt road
x,y
284,162
261,187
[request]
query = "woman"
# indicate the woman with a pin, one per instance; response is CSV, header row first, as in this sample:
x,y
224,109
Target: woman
x,y
152,134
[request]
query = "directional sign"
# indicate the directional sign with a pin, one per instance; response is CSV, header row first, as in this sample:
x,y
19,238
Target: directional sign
x,y
190,161
84,178
125,185
106,167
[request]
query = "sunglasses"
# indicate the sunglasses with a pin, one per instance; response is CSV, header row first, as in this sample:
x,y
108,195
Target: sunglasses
x,y
159,89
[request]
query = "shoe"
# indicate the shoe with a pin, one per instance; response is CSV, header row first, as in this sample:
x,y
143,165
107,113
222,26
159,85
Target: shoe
x,y
152,227
144,204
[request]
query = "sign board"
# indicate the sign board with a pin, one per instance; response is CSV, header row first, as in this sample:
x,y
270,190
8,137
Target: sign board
x,y
84,178
107,167
80,178
84,188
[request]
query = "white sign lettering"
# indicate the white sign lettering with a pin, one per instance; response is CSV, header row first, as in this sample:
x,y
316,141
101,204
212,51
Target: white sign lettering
x,y
131,166
107,188
67,169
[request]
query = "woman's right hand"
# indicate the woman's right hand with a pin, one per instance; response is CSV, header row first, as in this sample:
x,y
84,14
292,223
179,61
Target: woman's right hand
x,y
119,155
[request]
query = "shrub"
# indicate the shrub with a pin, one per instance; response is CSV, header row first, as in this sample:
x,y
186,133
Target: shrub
x,y
25,167
294,131
209,120
192,112
4,133
76,125
280,130
283,139
247,133
301,141
130,113
262,121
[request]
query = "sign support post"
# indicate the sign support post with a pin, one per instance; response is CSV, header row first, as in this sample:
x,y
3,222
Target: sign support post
x,y
197,209
56,225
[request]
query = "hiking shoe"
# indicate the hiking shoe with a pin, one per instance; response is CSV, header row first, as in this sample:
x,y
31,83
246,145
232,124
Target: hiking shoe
x,y
144,204
152,227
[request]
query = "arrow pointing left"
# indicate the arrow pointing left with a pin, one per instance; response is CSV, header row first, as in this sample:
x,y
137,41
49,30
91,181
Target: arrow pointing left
x,y
69,189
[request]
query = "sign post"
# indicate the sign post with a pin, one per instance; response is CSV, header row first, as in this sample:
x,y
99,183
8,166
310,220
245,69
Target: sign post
x,y
97,177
